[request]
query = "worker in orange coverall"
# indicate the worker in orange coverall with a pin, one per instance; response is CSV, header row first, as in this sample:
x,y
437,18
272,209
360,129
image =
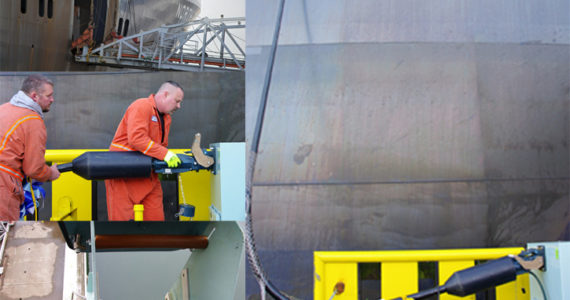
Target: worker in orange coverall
x,y
144,128
23,143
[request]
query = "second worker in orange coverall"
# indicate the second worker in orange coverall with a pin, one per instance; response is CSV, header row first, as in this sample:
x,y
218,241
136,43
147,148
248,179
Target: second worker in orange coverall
x,y
144,128
23,143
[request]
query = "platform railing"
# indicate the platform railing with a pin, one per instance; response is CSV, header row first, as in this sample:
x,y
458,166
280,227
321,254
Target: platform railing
x,y
198,44
399,272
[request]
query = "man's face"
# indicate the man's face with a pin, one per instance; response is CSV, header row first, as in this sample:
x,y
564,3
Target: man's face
x,y
44,97
172,100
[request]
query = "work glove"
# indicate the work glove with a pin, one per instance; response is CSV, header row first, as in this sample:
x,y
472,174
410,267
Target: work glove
x,y
172,159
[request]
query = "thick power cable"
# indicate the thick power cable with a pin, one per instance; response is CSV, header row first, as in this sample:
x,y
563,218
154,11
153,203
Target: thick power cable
x,y
250,242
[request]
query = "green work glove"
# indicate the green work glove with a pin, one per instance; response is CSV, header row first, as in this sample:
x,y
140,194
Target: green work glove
x,y
172,159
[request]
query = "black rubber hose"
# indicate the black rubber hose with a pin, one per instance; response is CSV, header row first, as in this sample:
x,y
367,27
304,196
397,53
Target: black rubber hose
x,y
65,167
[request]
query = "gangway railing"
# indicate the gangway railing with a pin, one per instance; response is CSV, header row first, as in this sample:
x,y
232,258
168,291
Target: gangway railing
x,y
205,43
399,272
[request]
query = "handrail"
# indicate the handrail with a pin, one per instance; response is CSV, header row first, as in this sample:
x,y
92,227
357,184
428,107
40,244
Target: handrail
x,y
67,155
399,271
415,255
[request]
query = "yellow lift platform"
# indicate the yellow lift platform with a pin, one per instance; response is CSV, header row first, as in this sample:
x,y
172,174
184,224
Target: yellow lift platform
x,y
217,195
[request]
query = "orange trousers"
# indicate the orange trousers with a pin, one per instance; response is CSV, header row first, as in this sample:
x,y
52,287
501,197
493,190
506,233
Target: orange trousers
x,y
124,193
11,197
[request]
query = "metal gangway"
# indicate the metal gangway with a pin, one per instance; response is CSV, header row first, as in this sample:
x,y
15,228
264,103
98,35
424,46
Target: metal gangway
x,y
4,229
196,45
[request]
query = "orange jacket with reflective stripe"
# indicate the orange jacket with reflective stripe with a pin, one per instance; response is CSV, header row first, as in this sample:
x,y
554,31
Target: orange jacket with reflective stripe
x,y
22,143
140,130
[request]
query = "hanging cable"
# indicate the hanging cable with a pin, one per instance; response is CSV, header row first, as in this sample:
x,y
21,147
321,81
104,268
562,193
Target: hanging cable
x,y
253,259
33,198
539,284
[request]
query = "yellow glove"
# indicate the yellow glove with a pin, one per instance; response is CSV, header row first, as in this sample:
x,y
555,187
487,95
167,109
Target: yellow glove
x,y
172,159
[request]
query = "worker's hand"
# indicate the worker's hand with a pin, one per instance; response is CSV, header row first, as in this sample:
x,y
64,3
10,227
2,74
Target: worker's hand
x,y
172,159
54,172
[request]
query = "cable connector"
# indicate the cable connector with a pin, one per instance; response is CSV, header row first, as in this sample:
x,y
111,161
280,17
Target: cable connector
x,y
531,259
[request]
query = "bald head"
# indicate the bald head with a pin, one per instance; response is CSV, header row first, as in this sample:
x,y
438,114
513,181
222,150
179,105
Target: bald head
x,y
169,97
170,84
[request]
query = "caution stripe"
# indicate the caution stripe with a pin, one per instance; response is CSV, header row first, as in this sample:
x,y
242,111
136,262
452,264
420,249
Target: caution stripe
x,y
42,173
13,128
121,147
11,172
148,147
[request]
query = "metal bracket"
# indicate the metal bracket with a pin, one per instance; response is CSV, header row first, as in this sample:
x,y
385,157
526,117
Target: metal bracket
x,y
77,244
535,264
201,158
338,289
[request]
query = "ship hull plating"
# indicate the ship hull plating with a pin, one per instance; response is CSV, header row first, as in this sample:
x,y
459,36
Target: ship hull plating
x,y
400,125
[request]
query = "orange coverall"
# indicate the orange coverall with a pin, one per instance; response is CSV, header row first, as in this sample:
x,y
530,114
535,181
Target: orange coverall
x,y
139,130
22,153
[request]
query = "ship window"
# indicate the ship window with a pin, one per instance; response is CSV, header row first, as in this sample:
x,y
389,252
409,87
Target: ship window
x,y
50,9
23,6
120,26
41,8
126,27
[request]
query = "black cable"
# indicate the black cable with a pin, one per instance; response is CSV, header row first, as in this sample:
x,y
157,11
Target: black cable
x,y
539,284
267,82
250,242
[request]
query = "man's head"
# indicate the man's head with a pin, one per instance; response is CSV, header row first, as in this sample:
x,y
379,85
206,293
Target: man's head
x,y
40,89
169,97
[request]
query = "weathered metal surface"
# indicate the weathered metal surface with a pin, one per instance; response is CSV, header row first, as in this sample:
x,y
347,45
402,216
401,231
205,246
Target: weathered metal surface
x,y
406,125
466,119
341,21
29,41
89,106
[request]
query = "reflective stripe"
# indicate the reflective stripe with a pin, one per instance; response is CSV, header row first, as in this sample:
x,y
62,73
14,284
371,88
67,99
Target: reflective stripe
x,y
11,172
122,147
148,147
13,128
42,173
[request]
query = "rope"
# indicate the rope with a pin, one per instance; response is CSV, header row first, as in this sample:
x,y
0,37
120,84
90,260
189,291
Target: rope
x,y
33,198
182,192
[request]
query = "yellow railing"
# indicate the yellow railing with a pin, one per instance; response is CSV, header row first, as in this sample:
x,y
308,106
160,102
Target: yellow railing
x,y
399,271
72,196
